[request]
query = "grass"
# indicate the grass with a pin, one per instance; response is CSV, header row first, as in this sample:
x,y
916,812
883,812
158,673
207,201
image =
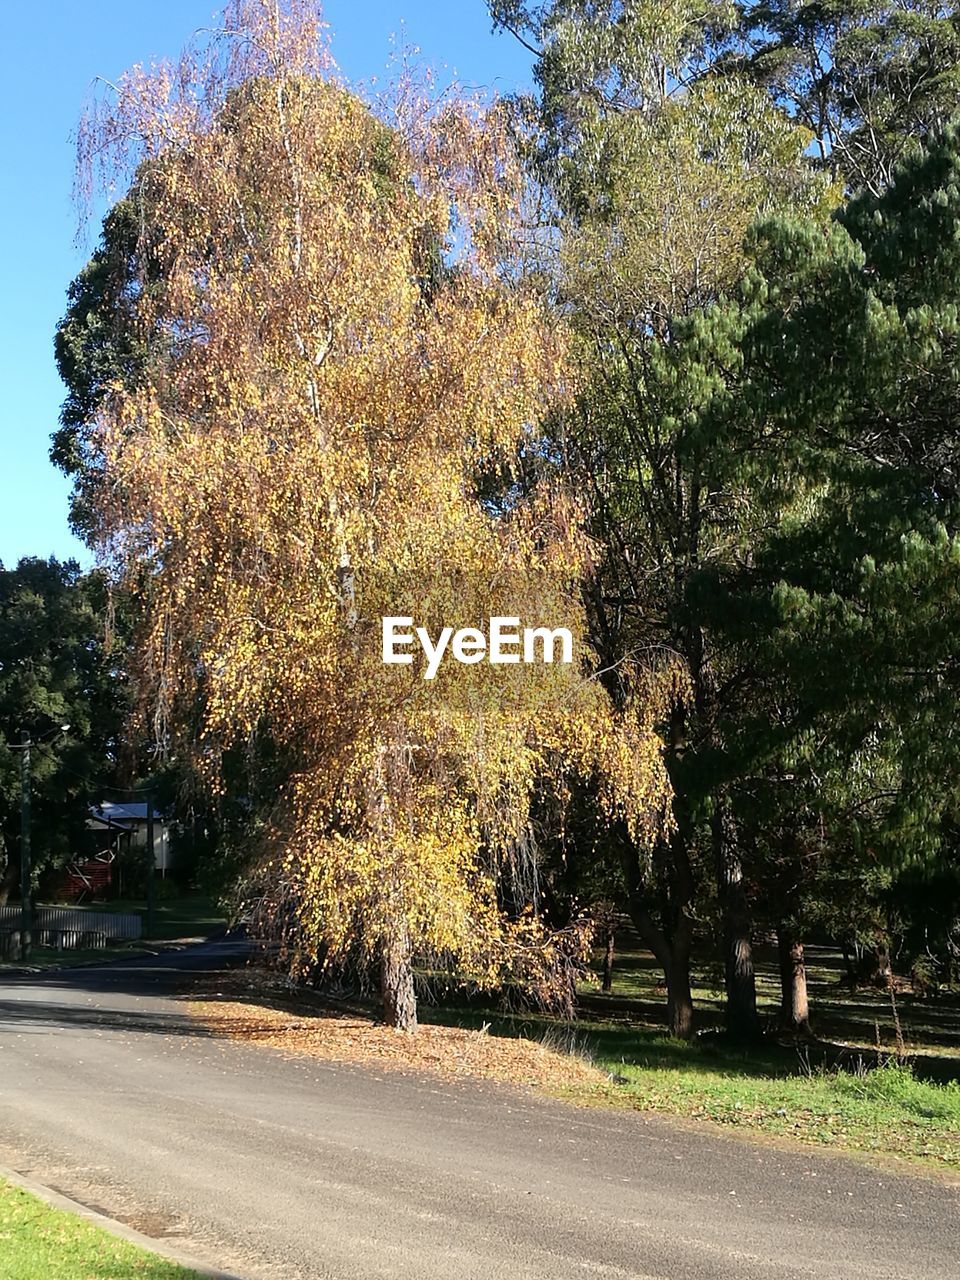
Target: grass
x,y
188,916
931,1027
616,1054
829,1094
38,1242
839,1092
881,1110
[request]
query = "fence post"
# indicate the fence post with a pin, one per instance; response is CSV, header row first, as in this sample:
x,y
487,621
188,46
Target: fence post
x,y
151,870
26,874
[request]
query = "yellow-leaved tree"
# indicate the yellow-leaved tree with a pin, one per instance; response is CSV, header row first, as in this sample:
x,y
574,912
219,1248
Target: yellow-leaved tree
x,y
338,350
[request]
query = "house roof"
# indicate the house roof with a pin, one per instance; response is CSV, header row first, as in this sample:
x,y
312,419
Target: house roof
x,y
121,815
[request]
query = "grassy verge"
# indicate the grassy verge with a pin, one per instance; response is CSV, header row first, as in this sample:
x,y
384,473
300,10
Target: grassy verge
x,y
803,1095
182,917
829,1094
881,1110
37,1243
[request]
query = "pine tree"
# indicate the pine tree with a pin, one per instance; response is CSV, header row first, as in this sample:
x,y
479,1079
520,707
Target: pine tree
x,y
656,174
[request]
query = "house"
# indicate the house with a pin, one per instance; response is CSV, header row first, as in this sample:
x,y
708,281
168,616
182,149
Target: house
x,y
125,822
114,830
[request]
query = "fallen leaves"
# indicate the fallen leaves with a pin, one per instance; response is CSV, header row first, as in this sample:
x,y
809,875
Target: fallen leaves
x,y
452,1052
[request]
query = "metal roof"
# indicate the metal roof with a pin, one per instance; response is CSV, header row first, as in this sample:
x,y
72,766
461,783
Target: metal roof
x,y
126,815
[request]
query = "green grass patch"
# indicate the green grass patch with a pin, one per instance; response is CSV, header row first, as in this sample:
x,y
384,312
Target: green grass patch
x,y
38,1243
799,1093
182,917
882,1110
820,1095
879,1110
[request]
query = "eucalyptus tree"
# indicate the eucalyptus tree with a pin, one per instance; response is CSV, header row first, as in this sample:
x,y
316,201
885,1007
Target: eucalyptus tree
x,y
869,80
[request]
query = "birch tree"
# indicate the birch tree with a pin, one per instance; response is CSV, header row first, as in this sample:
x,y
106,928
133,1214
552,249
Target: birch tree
x,y
337,347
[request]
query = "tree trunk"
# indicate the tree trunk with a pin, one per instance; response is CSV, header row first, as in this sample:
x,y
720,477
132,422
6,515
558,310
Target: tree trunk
x,y
671,944
679,997
849,965
743,1023
608,956
880,968
794,1006
396,981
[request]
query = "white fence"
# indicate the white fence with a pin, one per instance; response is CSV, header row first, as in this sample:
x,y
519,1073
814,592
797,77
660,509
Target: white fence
x,y
66,926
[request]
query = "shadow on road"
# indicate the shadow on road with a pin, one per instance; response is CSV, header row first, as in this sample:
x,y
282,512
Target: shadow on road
x,y
104,997
38,1015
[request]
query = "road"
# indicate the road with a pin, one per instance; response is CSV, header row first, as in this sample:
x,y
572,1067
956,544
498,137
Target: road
x,y
282,1167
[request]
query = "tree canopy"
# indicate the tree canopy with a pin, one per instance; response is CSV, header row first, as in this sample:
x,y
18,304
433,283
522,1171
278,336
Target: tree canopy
x,y
300,455
665,354
56,669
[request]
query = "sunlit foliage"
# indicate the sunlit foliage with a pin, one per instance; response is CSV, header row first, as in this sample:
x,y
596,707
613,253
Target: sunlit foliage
x,y
337,348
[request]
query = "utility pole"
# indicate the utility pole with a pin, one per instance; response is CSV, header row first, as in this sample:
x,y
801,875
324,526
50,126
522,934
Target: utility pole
x,y
151,870
25,868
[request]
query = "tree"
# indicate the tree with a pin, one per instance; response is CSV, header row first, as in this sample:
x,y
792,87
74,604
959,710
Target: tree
x,y
657,173
96,346
55,668
338,352
870,81
838,364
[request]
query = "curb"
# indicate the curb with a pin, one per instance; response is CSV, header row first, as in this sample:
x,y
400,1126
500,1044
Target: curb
x,y
119,1229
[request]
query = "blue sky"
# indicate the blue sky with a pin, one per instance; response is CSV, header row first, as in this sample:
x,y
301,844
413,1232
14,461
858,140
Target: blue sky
x,y
54,51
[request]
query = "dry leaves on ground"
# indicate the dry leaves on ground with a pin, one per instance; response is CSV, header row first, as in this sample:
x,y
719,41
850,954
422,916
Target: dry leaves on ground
x,y
349,1037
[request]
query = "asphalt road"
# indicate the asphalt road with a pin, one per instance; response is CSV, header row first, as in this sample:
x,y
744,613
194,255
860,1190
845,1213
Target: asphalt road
x,y
276,1166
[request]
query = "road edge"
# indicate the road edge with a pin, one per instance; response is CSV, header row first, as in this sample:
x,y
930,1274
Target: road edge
x,y
151,1244
159,947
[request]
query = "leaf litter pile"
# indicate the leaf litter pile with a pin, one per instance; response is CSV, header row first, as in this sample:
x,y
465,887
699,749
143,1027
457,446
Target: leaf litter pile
x,y
259,1011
